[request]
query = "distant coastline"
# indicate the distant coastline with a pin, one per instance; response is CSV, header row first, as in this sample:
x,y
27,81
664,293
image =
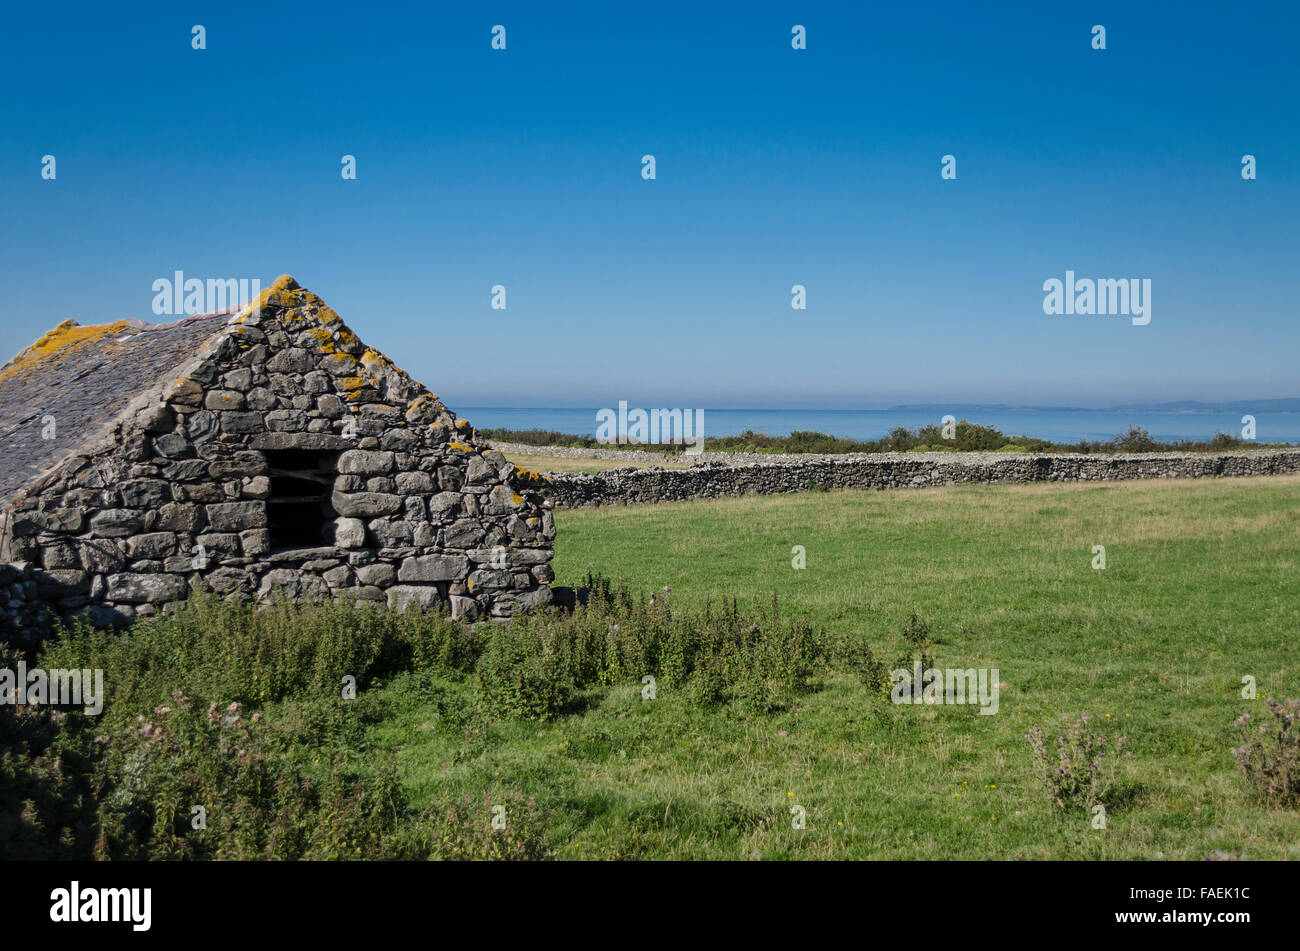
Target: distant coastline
x,y
1254,407
1276,420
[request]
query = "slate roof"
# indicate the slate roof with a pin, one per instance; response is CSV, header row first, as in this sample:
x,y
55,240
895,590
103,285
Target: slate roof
x,y
84,377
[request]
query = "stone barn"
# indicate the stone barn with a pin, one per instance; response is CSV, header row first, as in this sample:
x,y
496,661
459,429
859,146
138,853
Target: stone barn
x,y
257,453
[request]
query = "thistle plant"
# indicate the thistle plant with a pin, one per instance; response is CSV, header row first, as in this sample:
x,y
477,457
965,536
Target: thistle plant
x,y
1269,754
1080,769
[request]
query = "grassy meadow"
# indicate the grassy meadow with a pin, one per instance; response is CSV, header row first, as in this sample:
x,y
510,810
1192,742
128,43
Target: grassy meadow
x,y
1200,589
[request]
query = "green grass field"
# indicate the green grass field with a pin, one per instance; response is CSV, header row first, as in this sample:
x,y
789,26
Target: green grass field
x,y
241,711
1200,589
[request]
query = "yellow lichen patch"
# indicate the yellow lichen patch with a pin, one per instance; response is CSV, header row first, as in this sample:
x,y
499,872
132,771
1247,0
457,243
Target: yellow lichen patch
x,y
68,337
353,383
528,475
280,293
258,302
516,498
338,363
324,339
421,403
285,293
371,355
462,424
459,446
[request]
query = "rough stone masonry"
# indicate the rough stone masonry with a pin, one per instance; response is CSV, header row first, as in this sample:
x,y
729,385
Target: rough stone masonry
x,y
711,477
256,453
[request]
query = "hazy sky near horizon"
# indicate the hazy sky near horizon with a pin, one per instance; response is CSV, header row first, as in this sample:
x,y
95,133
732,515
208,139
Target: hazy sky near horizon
x,y
774,167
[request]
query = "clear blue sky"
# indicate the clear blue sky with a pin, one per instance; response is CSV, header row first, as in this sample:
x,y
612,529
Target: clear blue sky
x,y
775,167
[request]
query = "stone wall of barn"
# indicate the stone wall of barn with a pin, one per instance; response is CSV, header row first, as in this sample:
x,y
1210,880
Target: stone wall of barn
x,y
180,491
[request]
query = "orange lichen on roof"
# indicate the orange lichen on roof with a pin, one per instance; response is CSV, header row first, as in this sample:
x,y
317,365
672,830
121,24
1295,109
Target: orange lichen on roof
x,y
67,338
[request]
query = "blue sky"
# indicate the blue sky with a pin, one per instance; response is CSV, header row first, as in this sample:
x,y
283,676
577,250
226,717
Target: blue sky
x,y
775,167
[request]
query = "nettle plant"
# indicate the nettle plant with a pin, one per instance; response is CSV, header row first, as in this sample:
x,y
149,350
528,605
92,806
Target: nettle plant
x,y
1080,769
916,631
1269,755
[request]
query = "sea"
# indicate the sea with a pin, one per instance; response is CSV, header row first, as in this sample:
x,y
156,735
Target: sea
x,y
1057,425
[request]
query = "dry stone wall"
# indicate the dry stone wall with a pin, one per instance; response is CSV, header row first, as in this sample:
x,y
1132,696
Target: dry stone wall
x,y
896,470
288,458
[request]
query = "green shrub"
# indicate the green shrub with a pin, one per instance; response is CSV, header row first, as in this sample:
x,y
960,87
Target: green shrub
x,y
858,656
233,651
257,801
967,437
463,829
525,672
240,712
707,686
542,437
1135,439
434,641
1226,441
916,631
47,806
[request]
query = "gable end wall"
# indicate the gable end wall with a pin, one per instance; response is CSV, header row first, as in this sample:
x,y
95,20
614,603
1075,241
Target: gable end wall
x,y
173,494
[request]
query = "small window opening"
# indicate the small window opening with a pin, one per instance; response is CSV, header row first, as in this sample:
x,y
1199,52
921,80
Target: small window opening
x,y
298,512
